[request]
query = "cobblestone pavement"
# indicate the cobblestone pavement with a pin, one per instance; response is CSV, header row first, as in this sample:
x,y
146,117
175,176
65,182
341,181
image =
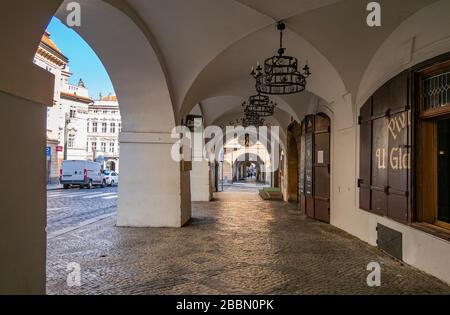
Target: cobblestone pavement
x,y
69,209
237,244
246,186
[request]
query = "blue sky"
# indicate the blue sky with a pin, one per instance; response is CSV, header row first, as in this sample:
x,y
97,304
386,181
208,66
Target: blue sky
x,y
83,61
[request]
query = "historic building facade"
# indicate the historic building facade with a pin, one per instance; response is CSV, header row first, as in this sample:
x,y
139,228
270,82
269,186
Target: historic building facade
x,y
103,126
66,120
78,128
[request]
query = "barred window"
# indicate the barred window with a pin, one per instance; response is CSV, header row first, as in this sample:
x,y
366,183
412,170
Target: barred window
x,y
436,91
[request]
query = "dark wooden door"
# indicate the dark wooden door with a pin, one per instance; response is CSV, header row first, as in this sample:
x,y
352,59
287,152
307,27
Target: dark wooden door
x,y
309,166
301,175
321,167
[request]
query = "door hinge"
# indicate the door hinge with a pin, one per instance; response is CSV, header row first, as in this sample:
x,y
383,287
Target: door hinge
x,y
360,182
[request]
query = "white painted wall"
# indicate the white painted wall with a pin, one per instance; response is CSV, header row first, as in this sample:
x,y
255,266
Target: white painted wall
x,y
22,202
150,183
201,189
415,43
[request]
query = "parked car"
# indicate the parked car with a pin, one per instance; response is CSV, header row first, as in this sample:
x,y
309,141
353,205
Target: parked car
x,y
111,178
84,174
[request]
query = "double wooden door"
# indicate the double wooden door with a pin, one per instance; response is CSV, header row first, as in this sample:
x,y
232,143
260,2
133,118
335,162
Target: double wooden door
x,y
315,167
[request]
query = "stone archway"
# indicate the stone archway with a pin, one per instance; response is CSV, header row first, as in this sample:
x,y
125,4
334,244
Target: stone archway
x,y
141,107
26,90
243,161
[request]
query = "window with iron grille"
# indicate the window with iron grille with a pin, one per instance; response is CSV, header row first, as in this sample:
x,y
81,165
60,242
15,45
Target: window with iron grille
x,y
436,91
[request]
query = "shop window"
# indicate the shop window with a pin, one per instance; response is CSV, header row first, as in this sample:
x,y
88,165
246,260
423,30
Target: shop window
x,y
433,145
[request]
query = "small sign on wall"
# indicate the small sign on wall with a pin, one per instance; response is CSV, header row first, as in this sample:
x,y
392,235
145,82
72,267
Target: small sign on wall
x,y
48,153
320,159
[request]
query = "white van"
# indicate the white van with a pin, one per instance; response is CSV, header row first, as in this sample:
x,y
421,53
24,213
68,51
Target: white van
x,y
81,173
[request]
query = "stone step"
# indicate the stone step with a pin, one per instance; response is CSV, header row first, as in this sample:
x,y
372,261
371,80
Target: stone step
x,y
270,195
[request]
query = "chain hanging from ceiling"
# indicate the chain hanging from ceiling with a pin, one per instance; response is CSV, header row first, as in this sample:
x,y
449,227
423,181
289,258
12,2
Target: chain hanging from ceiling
x,y
280,74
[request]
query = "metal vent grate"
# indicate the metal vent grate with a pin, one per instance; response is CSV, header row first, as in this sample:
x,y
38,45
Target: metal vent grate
x,y
390,241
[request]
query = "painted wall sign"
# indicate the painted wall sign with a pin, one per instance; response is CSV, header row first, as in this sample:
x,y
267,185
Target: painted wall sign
x,y
385,161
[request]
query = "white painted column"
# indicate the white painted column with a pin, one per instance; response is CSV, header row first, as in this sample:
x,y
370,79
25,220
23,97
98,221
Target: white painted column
x,y
201,181
153,190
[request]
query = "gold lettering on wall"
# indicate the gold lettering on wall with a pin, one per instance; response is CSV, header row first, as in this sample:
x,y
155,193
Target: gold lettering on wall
x,y
398,124
381,158
399,157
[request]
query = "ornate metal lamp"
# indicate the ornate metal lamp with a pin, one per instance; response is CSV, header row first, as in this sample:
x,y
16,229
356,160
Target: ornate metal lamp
x,y
252,119
260,105
280,74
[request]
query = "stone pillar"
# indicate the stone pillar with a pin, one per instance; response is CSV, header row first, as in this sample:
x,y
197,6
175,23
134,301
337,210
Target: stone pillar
x,y
154,189
200,181
23,190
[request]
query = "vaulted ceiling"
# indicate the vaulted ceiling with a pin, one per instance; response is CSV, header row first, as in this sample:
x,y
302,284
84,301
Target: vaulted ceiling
x,y
207,47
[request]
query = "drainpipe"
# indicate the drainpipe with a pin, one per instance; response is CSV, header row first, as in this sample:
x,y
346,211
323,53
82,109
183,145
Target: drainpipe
x,y
66,123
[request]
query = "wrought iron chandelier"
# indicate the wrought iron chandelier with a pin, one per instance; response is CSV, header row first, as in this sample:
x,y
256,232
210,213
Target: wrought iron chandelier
x,y
260,104
252,119
280,74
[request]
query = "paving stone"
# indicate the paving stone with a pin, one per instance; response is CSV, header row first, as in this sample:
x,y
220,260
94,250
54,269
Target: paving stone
x,y
237,244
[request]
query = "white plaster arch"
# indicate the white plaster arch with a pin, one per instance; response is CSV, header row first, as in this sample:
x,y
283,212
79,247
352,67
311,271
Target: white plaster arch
x,y
230,70
273,121
240,90
132,64
251,156
411,43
